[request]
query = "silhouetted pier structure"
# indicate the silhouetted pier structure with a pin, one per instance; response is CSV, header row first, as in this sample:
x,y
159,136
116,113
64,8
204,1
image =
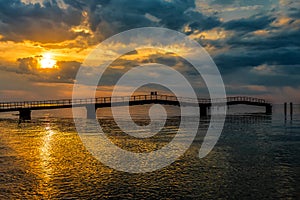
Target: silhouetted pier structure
x,y
25,107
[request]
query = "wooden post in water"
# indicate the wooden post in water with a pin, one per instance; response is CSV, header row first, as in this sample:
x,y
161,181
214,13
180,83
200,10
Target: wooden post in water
x,y
285,110
291,110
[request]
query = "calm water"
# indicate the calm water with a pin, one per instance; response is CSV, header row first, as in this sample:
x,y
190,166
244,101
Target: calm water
x,y
257,157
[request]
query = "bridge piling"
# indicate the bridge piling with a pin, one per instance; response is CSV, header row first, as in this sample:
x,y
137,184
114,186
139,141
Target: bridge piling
x,y
269,109
91,111
203,111
24,114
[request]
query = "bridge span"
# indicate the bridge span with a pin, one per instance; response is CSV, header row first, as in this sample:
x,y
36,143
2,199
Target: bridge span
x,y
25,107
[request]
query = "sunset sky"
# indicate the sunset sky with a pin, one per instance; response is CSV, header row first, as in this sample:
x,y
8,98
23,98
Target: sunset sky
x,y
255,44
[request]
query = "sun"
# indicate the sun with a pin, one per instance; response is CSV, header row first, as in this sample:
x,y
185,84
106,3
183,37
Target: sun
x,y
47,62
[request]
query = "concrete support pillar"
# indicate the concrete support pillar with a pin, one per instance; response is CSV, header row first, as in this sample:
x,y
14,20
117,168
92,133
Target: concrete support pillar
x,y
269,109
203,110
91,111
24,114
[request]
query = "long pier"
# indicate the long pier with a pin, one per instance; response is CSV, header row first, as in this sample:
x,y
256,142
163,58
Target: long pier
x,y
92,104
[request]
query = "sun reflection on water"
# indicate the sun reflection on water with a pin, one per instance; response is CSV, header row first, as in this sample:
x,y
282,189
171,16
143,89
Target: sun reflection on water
x,y
45,153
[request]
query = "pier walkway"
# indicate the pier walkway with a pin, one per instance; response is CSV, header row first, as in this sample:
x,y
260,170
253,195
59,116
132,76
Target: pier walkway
x,y
25,107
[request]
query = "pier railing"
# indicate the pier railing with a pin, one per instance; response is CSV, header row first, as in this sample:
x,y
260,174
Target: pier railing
x,y
107,100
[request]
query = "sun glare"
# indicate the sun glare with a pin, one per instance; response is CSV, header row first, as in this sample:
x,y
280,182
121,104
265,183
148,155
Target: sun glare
x,y
47,62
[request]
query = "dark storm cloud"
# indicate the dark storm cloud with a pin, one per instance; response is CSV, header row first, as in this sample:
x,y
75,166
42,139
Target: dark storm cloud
x,y
294,13
129,14
245,50
28,65
201,22
80,5
50,23
222,2
280,39
67,70
249,24
277,46
47,23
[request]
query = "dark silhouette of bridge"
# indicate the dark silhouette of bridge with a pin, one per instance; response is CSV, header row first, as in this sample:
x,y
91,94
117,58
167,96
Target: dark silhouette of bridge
x,y
92,104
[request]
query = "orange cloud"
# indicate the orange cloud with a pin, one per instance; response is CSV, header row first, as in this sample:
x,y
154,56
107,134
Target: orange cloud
x,y
261,32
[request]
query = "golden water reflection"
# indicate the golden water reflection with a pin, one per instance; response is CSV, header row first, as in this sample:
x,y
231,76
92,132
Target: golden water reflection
x,y
45,159
46,153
